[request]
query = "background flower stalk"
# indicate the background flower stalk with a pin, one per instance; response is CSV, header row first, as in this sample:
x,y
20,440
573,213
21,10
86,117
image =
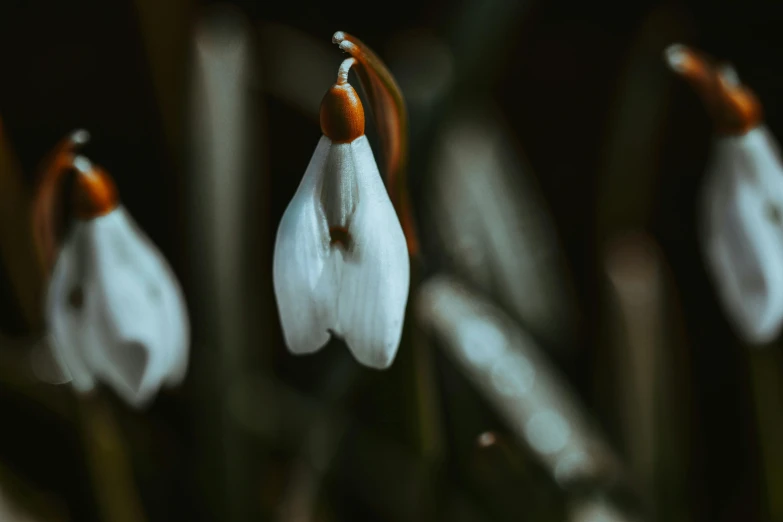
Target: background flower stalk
x,y
114,307
742,199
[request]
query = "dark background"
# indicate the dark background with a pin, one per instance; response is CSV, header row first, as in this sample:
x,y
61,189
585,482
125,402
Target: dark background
x,y
555,69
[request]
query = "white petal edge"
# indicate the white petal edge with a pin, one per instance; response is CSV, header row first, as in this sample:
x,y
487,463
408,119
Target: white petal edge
x,y
746,174
163,282
137,309
304,298
375,275
64,324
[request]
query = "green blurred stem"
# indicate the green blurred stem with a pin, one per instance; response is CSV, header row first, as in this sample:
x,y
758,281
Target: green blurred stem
x,y
765,367
165,29
16,245
109,462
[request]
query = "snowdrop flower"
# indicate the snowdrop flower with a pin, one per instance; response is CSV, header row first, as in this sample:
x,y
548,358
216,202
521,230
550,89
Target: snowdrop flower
x,y
114,308
742,201
341,261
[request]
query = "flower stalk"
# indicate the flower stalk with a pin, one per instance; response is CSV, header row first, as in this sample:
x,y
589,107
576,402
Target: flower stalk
x,y
734,108
46,205
391,116
114,308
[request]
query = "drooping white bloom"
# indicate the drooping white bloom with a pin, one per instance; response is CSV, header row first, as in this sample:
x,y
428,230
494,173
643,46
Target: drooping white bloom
x,y
116,311
742,227
742,199
341,262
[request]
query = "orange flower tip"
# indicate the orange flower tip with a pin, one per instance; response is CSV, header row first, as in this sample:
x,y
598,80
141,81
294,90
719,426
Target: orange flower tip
x,y
676,56
344,45
348,47
733,107
80,137
95,194
342,114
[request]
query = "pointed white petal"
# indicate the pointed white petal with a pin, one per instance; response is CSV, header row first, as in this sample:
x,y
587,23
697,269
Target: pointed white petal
x,y
130,328
761,285
121,314
744,246
338,191
165,295
305,299
66,323
376,270
125,311
766,166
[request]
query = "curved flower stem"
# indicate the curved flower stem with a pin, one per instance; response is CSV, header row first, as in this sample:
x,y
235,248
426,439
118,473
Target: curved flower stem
x,y
345,68
45,203
391,117
17,249
734,108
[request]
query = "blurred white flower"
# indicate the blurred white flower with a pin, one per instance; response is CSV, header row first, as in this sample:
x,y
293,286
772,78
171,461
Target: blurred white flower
x,y
114,307
742,219
496,229
742,199
341,262
510,369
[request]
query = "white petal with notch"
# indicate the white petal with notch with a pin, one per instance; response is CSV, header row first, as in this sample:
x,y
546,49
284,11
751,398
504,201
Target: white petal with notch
x,y
301,250
376,272
743,201
357,290
130,328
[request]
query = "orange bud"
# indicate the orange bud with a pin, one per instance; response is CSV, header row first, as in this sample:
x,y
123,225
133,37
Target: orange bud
x,y
342,114
94,194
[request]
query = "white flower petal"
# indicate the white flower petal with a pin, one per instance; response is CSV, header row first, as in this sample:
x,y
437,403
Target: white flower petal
x,y
375,272
301,251
176,314
745,255
356,286
118,302
132,284
65,322
744,246
131,328
165,294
